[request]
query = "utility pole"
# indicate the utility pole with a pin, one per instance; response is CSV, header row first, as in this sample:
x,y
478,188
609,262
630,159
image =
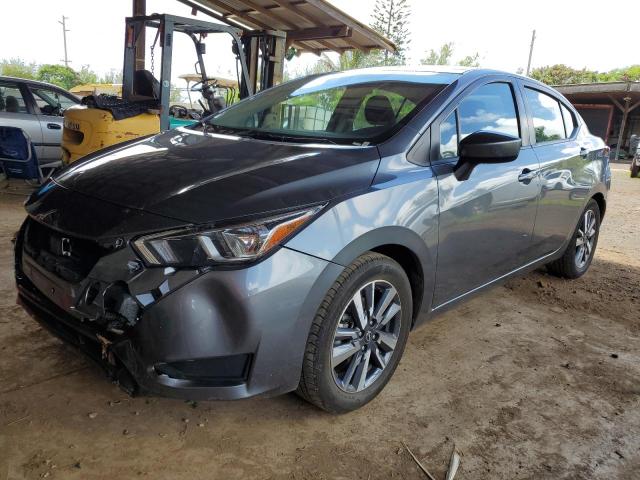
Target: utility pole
x,y
64,36
533,39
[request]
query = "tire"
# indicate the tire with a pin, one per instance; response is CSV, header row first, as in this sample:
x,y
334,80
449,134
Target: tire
x,y
338,384
635,168
572,264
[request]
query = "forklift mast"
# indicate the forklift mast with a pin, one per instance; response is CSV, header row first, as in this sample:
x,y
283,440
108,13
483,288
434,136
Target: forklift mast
x,y
265,52
166,26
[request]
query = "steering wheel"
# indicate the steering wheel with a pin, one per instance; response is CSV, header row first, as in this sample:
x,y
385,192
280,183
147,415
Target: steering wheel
x,y
201,85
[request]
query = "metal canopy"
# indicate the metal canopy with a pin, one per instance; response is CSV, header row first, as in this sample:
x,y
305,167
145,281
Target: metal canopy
x,y
311,25
624,95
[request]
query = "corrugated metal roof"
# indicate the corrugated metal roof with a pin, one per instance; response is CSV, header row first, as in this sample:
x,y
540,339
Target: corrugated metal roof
x,y
311,25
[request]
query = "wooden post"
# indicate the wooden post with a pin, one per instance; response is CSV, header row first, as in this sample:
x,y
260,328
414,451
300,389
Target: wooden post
x,y
140,9
625,114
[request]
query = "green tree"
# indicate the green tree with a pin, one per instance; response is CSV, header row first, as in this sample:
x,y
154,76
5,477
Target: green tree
x,y
86,75
470,61
626,74
59,75
444,56
16,67
345,61
175,94
391,19
441,57
562,74
112,76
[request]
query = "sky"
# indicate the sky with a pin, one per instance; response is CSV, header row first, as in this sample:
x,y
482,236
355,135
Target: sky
x,y
578,33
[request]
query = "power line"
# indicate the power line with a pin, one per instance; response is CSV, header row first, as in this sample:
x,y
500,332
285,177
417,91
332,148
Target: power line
x,y
64,36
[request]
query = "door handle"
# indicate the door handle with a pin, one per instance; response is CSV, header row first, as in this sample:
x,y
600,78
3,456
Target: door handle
x,y
527,175
53,126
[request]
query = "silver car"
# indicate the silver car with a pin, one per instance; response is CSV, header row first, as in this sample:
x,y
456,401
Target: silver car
x,y
38,109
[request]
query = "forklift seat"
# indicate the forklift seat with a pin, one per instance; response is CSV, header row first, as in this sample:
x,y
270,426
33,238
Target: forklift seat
x,y
145,84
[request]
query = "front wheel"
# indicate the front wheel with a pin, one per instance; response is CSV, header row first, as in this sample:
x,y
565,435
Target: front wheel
x,y
579,253
358,335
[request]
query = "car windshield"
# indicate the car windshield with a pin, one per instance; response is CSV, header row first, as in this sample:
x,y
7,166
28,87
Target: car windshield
x,y
334,108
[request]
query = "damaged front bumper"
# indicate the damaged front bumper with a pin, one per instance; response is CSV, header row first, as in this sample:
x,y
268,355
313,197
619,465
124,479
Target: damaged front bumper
x,y
196,334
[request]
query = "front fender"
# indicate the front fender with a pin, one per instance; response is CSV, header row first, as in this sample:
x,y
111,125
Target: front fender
x,y
398,213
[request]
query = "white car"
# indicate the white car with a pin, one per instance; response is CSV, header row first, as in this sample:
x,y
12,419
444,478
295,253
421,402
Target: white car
x,y
38,109
635,163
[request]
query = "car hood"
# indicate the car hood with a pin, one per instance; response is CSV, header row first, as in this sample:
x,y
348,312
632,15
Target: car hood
x,y
203,178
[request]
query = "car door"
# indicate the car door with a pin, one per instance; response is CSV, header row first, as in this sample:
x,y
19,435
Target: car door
x,y
568,166
486,221
16,110
51,104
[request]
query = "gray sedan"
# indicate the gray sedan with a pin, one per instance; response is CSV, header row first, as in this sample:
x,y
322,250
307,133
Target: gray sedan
x,y
293,240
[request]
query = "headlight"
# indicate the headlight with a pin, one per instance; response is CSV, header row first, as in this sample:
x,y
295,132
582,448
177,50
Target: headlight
x,y
201,247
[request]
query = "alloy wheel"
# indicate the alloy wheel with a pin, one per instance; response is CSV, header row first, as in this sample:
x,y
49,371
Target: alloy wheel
x,y
586,238
366,336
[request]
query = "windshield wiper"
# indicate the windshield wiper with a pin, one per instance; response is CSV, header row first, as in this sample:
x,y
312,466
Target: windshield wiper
x,y
266,135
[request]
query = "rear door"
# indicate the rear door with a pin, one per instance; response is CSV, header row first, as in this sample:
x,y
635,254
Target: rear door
x,y
487,220
16,110
50,106
569,166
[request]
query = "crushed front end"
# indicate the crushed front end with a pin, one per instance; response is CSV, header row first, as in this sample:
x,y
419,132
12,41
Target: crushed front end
x,y
198,333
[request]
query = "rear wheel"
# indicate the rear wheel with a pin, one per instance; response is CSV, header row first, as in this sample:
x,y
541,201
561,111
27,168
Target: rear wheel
x,y
358,335
579,253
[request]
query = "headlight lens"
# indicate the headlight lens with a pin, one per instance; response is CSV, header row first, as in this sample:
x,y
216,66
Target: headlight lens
x,y
201,247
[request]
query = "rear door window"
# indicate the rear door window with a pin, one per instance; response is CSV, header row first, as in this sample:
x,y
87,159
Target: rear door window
x,y
547,116
51,102
11,99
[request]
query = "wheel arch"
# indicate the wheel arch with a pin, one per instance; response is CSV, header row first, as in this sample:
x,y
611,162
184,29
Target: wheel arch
x,y
405,247
602,203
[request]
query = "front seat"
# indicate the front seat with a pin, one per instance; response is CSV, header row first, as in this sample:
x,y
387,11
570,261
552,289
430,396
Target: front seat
x,y
379,112
11,104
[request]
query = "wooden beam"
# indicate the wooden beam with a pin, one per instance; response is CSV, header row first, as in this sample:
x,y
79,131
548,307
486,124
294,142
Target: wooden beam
x,y
343,18
634,106
617,104
320,33
269,14
315,20
230,11
291,6
211,13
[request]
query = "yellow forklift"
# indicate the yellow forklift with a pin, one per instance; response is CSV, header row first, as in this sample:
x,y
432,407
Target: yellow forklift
x,y
144,109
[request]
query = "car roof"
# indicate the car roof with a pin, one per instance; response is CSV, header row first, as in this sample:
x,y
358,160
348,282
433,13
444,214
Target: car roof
x,y
440,74
32,82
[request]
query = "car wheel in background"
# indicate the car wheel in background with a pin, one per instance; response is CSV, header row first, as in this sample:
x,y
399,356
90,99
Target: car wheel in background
x,y
358,335
579,253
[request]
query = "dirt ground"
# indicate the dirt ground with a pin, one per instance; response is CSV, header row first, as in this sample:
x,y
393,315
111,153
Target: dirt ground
x,y
536,379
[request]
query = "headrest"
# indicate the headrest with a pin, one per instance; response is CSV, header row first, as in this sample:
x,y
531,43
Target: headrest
x,y
378,111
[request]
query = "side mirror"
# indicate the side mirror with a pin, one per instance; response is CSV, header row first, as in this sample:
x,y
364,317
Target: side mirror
x,y
485,147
